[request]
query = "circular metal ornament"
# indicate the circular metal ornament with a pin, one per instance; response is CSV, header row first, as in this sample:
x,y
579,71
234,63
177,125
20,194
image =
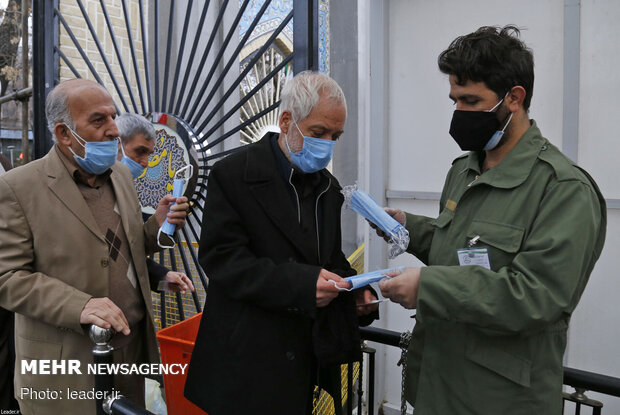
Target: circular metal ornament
x,y
174,149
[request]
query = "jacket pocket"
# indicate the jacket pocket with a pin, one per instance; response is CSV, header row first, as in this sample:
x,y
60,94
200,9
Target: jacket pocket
x,y
37,349
239,329
444,218
499,355
502,236
502,240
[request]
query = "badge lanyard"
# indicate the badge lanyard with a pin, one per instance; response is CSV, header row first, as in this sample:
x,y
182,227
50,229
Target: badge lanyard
x,y
474,255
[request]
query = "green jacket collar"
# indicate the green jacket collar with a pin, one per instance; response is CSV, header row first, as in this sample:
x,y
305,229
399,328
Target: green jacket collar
x,y
516,166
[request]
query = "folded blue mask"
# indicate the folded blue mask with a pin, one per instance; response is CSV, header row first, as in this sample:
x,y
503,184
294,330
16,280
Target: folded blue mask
x,y
361,202
362,280
177,191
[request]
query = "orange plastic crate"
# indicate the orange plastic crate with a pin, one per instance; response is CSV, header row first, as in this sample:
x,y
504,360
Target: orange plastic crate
x,y
176,346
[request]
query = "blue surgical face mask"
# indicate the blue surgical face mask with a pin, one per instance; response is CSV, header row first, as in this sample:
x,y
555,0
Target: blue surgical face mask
x,y
362,203
314,155
135,168
98,155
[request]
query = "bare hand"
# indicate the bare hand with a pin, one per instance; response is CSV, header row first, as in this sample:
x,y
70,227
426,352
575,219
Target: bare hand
x,y
397,214
104,313
402,288
179,282
326,291
364,297
175,214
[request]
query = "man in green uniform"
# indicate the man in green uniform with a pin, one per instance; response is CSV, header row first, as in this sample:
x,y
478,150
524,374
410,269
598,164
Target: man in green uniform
x,y
519,230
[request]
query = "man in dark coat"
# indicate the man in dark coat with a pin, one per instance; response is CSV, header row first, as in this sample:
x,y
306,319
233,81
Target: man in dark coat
x,y
274,321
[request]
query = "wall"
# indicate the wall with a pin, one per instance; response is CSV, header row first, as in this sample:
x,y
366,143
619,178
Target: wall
x,y
594,334
75,20
418,150
197,74
343,68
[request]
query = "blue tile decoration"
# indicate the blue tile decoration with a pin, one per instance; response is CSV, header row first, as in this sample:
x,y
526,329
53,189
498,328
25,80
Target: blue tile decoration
x,y
277,10
156,181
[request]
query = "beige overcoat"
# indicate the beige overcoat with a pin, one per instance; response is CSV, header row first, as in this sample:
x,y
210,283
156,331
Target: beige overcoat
x,y
53,259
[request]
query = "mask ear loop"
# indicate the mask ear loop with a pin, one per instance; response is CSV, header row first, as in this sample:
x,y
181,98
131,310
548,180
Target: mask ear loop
x,y
123,149
182,169
497,136
340,288
299,129
286,137
77,136
77,139
164,246
300,133
507,122
287,145
499,103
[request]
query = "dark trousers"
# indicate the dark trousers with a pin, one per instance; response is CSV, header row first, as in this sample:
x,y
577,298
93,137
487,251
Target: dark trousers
x,y
7,360
131,386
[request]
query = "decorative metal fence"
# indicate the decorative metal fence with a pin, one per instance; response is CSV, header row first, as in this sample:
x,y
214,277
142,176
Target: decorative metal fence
x,y
200,73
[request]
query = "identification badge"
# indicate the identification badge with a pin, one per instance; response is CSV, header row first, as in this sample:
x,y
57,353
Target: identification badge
x,y
474,256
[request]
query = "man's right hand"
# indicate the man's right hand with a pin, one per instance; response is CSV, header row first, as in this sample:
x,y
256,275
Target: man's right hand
x,y
397,214
326,291
104,313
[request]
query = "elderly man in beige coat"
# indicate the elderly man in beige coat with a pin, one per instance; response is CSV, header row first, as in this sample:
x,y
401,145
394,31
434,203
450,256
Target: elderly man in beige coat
x,y
72,253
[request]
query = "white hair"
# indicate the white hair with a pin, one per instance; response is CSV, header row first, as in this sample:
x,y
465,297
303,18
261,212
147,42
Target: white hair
x,y
57,110
301,94
129,125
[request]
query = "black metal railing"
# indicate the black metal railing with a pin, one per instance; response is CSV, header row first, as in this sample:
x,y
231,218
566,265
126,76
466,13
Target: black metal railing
x,y
108,402
580,380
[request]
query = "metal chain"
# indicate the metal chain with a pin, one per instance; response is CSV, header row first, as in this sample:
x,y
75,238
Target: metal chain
x,y
405,338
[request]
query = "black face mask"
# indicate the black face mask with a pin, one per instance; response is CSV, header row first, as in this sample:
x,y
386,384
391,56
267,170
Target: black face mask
x,y
477,130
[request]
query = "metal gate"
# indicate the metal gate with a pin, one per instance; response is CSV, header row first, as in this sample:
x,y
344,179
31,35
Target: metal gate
x,y
197,69
207,73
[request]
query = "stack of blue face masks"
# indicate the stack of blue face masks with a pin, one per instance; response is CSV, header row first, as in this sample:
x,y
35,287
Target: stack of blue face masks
x,y
360,202
362,280
177,191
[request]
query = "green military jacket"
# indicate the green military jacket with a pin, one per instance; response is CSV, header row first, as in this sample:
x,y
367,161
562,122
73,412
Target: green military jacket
x,y
491,341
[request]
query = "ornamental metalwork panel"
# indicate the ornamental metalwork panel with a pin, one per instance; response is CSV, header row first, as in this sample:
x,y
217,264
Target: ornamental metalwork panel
x,y
208,74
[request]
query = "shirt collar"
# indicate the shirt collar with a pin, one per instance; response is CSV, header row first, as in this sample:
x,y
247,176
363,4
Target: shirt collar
x,y
284,166
516,166
75,174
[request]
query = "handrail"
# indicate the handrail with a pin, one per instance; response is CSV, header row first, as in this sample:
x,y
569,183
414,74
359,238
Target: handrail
x,y
102,353
591,381
123,406
575,378
378,335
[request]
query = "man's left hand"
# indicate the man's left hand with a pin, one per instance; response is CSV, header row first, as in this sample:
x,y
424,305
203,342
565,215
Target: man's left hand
x,y
175,214
402,288
179,282
363,298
